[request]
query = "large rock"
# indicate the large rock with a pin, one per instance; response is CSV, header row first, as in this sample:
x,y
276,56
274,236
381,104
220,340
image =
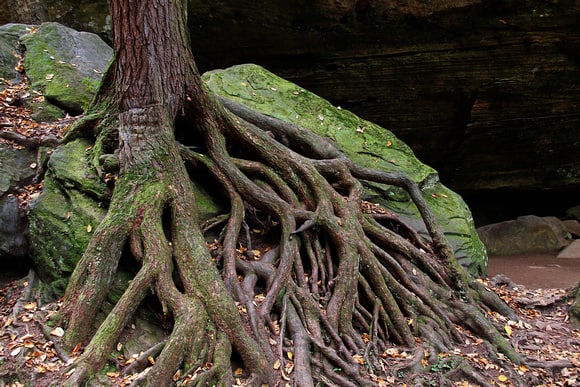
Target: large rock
x,y
364,142
17,167
13,242
66,65
9,51
525,235
571,251
63,218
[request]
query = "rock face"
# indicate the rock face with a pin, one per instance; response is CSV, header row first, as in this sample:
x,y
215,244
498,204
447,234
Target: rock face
x,y
13,242
365,143
65,64
484,91
9,47
525,235
62,219
15,171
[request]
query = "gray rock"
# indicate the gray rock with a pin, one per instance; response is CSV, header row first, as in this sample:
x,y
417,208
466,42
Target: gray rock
x,y
13,242
9,46
525,235
571,251
66,65
17,167
573,227
573,212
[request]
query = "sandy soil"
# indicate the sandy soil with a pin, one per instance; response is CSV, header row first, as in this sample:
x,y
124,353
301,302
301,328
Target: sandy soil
x,y
537,271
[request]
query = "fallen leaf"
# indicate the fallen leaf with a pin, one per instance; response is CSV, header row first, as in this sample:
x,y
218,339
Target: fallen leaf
x,y
508,330
76,349
58,332
8,321
358,359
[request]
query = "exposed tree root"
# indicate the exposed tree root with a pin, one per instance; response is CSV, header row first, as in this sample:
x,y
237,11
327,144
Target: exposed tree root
x,y
338,287
317,296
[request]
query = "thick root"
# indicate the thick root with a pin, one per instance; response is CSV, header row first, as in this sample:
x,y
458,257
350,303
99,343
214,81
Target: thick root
x,y
335,287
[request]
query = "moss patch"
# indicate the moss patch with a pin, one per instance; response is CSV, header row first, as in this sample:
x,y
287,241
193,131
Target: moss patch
x,y
365,143
63,218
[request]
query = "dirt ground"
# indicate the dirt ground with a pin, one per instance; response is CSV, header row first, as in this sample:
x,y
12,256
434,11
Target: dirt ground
x,y
537,271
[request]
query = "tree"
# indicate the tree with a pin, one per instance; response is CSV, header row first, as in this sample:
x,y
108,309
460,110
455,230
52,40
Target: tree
x,y
338,270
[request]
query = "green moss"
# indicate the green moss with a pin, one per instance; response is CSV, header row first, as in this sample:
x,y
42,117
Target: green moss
x,y
365,143
51,62
62,219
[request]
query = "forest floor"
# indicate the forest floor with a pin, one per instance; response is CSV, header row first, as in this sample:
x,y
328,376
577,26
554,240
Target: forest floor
x,y
30,355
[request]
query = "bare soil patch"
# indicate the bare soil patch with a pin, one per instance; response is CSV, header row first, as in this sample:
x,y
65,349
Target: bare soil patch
x,y
538,270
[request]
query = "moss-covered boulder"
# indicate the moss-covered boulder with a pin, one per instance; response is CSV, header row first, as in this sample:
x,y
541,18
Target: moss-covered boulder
x,y
63,218
365,143
9,37
65,65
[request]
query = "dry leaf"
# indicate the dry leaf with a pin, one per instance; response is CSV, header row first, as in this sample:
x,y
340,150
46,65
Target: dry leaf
x,y
508,330
358,359
16,351
76,349
8,321
26,337
58,332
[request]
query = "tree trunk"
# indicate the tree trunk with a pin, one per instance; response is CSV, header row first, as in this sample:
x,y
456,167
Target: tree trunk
x,y
338,281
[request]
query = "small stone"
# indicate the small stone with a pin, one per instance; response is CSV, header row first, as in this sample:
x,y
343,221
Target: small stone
x,y
571,251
